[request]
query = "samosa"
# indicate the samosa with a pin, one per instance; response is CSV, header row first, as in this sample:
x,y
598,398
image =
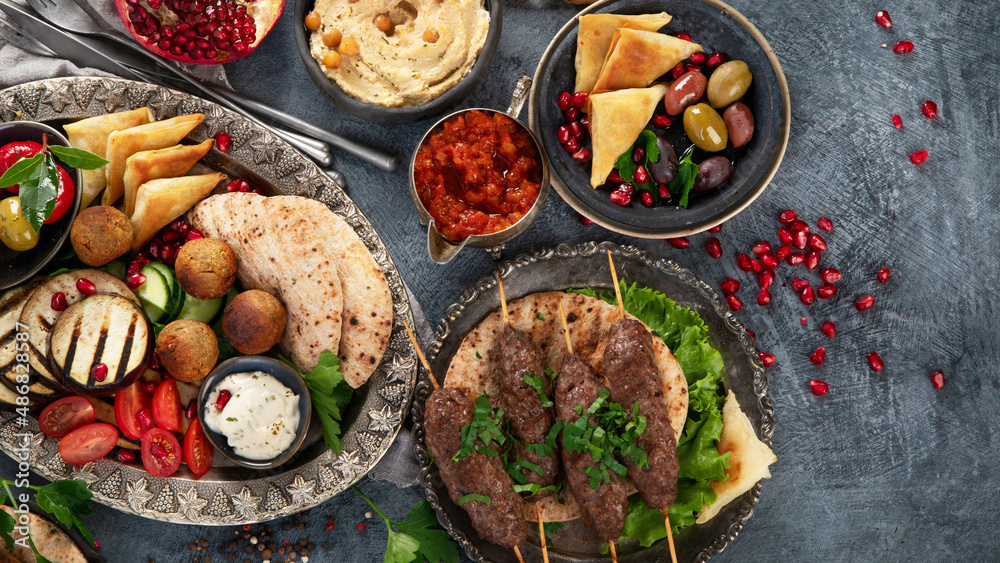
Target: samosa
x,y
160,201
616,119
170,162
593,41
636,58
91,134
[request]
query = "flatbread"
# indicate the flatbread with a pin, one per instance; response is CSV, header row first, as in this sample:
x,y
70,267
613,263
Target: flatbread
x,y
588,319
53,543
748,458
593,41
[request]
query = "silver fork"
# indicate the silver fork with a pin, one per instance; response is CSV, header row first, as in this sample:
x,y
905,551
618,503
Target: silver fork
x,y
13,35
69,15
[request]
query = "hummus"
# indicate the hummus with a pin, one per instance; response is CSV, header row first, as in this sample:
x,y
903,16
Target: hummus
x,y
398,67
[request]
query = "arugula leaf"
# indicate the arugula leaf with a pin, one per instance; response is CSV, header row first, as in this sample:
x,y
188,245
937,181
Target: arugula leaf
x,y
38,192
682,183
20,171
329,393
419,536
474,497
78,158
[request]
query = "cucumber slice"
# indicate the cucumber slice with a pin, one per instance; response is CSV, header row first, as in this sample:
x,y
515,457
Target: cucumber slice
x,y
204,310
176,293
155,295
116,268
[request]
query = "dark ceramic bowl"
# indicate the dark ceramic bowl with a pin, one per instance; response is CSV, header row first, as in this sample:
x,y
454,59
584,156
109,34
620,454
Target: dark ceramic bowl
x,y
717,27
280,371
17,267
390,115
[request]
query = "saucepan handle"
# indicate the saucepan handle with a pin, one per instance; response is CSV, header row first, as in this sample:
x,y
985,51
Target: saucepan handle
x,y
520,95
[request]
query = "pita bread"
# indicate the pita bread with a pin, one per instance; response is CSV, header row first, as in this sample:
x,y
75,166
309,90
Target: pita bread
x,y
616,119
637,57
160,201
91,135
171,162
748,459
53,543
593,40
588,319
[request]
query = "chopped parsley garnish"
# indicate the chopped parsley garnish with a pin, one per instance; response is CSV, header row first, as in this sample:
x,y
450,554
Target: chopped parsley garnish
x,y
540,316
478,356
616,432
486,427
538,384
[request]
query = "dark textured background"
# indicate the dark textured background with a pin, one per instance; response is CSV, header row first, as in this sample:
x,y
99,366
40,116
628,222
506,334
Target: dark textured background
x,y
885,467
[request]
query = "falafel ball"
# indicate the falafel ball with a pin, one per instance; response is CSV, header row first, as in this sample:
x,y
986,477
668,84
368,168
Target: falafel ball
x,y
206,268
100,234
188,349
254,321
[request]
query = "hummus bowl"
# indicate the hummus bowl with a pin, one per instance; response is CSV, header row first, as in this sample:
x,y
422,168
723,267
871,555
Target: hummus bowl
x,y
413,87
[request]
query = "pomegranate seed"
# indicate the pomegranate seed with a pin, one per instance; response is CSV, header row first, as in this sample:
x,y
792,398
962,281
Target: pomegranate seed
x,y
679,242
897,122
785,235
191,410
743,262
194,234
684,36
638,154
576,130
586,221
799,225
715,60
692,68
223,142
830,275
585,122
828,328
734,303
713,247
623,195
802,321
615,177
864,303
883,275
563,134
762,247
715,229
134,268
329,526
134,281
929,109
155,364
787,217
582,155
808,296
85,286
564,100
58,301
99,372
755,266
150,387
641,175
937,379
171,237
97,544
799,285
817,242
875,362
571,115
796,258
698,58
826,291
145,418
579,99
662,121
765,279
647,199
882,18
730,286
763,297
159,451
678,70
783,252
812,260
767,359
800,239
902,47
818,388
819,356
223,398
751,333
769,262
571,145
361,526
123,456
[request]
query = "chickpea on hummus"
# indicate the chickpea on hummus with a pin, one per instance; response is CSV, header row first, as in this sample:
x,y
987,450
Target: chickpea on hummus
x,y
397,53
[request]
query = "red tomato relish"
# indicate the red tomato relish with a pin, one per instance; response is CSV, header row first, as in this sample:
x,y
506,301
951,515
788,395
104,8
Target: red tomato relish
x,y
480,174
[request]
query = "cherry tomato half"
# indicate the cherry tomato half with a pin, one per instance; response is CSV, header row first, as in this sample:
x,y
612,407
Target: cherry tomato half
x,y
198,451
133,411
88,443
167,406
65,195
161,453
65,415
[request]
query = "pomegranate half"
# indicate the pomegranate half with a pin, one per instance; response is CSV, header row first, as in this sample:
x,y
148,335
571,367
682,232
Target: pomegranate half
x,y
200,31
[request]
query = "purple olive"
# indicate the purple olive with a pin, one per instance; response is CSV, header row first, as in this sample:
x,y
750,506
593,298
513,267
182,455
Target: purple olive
x,y
664,169
712,173
739,121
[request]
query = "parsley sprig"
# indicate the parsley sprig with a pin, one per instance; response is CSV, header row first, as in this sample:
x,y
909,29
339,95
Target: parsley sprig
x,y
683,181
419,536
330,394
66,500
616,432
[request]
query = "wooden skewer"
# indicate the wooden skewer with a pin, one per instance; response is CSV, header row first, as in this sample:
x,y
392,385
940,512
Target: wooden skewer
x,y
541,531
670,537
618,291
614,556
503,301
562,317
518,553
423,360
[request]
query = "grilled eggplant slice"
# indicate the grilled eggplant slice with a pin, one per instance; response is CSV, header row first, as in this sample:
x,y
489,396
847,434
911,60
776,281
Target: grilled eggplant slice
x,y
8,400
11,304
101,329
38,316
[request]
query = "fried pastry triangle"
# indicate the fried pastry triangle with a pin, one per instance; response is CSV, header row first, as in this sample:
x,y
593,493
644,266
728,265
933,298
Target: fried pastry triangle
x,y
616,119
160,201
594,40
636,58
170,162
91,135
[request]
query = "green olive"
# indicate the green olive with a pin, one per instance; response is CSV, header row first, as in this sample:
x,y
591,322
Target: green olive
x,y
15,232
728,83
705,127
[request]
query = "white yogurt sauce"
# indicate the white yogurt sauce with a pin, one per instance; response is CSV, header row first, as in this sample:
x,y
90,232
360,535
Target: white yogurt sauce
x,y
260,418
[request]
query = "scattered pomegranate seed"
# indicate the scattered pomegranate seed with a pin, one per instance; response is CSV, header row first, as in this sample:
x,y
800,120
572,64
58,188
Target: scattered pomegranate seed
x,y
571,115
99,372
902,47
802,321
698,58
751,333
361,526
937,379
85,286
883,275
681,243
563,134
769,262
766,279
817,242
713,247
882,18
97,544
191,410
812,260
692,68
684,36
615,177
622,196
808,296
124,456
664,192
145,417
730,286
897,122
223,398
582,155
830,275
800,239
647,199
818,388
755,266
586,221
761,247
155,364
864,303
585,121
564,100
782,252
784,235
715,229
826,291
329,526
763,297
734,303
59,302
799,285
678,70
134,281
796,258
150,387
223,142
638,153
579,99
641,175
929,109
875,362
799,225
819,356
788,217
743,262
571,145
662,121
828,328
767,359
194,234
715,60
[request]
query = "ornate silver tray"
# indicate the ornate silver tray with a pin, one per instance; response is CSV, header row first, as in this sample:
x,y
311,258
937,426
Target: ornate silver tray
x,y
586,265
229,494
